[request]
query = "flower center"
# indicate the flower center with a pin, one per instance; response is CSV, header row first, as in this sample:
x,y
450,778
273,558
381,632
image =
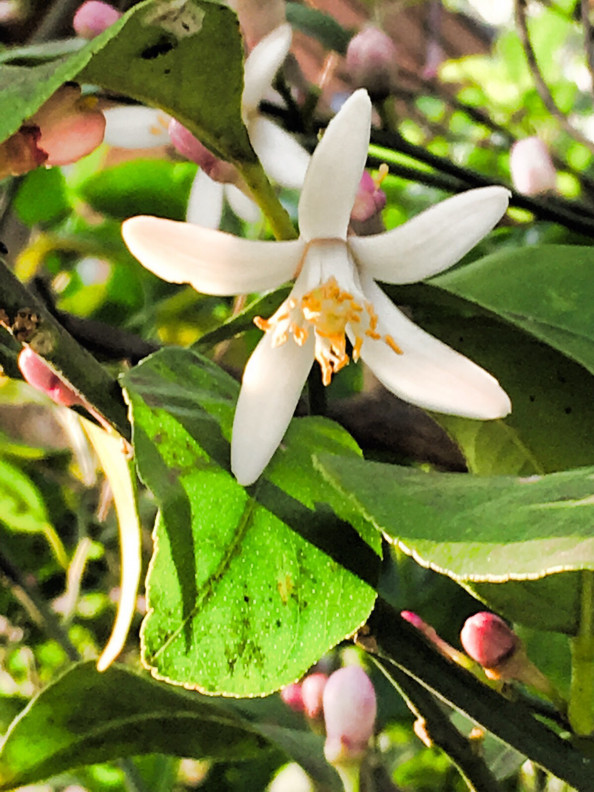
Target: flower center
x,y
327,310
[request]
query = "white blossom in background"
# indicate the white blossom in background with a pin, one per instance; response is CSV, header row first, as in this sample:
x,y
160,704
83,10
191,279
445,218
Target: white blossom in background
x,y
291,778
283,159
335,295
136,127
531,167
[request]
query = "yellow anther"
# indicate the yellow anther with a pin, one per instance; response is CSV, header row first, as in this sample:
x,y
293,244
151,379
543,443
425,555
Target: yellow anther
x,y
328,311
381,175
392,344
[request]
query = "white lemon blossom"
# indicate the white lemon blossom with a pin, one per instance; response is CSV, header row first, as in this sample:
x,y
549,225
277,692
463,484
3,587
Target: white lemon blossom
x,y
283,159
335,294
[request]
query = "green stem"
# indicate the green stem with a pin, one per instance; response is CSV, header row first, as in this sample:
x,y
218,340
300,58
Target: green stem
x,y
262,192
350,775
581,697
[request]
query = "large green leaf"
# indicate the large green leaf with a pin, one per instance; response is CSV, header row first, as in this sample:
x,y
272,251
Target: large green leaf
x,y
476,528
551,426
86,717
546,290
186,58
239,602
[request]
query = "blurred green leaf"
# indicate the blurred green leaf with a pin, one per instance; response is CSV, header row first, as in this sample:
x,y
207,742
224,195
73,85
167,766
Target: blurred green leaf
x,y
154,187
318,25
239,603
41,197
21,505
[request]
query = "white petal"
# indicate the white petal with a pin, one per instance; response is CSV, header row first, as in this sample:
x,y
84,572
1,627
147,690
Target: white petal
x,y
428,373
243,206
284,160
211,261
205,203
261,66
335,170
272,383
432,241
136,127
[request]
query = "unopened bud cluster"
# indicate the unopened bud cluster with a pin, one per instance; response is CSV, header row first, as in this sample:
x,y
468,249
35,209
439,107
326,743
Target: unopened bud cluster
x,y
347,702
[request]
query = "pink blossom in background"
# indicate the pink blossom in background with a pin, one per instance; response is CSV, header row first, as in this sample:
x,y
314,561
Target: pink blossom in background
x,y
371,61
531,167
312,692
350,708
93,17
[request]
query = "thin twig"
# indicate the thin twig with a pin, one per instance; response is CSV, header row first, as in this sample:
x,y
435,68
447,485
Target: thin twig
x,y
541,86
573,216
441,731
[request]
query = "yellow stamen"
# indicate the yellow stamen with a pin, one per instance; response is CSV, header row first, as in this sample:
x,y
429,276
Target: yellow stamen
x,y
328,310
392,344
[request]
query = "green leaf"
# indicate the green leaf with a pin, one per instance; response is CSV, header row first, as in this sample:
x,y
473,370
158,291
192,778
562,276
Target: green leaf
x,y
23,89
41,197
551,424
545,290
189,62
239,602
86,717
476,528
318,25
21,506
154,187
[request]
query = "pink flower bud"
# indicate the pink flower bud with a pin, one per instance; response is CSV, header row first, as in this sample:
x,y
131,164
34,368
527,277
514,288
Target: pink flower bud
x,y
189,146
371,61
312,692
369,200
70,125
93,17
38,374
531,167
291,695
488,639
350,708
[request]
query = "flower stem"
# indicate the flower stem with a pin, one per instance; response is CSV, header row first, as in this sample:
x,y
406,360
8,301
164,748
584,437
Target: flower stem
x,y
262,192
350,775
581,697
